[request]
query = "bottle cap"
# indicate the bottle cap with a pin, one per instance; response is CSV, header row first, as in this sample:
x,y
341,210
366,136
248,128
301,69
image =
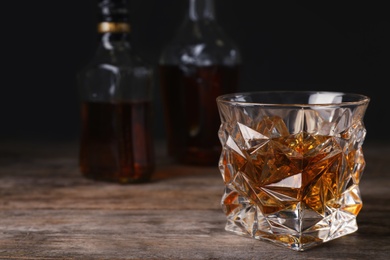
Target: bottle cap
x,y
113,11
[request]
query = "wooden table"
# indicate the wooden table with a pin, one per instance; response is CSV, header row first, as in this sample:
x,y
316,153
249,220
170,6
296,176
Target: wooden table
x,y
49,211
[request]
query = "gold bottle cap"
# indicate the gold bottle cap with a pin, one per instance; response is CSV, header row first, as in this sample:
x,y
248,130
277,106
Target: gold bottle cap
x,y
113,27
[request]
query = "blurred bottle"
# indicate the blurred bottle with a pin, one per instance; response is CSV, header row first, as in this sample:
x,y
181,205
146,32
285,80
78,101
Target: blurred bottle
x,y
199,64
116,142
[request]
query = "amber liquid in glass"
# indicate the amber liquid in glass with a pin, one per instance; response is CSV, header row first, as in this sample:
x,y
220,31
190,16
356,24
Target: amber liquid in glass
x,y
116,142
191,114
302,170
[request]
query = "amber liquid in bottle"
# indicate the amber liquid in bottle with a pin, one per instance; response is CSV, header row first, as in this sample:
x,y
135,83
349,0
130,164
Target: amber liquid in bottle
x,y
192,118
116,143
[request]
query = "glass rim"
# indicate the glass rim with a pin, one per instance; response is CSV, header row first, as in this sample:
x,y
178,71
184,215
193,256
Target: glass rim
x,y
233,98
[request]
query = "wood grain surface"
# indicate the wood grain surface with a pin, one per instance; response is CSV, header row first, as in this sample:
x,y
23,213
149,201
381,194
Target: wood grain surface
x,y
49,211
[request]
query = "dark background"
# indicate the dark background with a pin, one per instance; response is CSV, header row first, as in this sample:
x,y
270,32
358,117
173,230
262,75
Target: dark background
x,y
337,45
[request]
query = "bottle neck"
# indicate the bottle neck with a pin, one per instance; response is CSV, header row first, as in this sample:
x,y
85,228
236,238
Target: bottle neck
x,y
201,10
113,23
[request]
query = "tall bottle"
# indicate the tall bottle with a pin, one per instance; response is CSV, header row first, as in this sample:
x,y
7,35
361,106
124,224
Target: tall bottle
x,y
199,64
116,142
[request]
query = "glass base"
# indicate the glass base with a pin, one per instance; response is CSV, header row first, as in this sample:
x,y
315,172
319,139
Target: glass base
x,y
296,237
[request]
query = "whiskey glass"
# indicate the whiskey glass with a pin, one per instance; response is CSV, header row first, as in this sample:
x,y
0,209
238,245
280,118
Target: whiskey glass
x,y
291,163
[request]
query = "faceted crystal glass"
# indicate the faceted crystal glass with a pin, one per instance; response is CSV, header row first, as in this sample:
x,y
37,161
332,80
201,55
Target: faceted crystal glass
x,y
291,163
